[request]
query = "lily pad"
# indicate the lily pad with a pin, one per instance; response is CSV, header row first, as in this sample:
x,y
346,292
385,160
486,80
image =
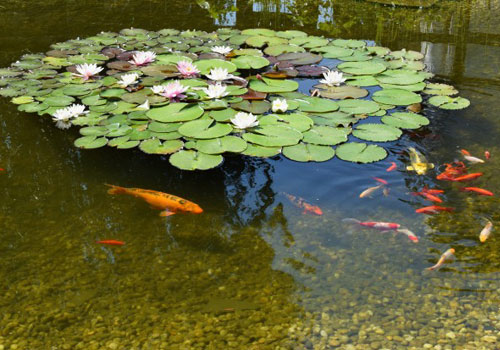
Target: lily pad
x,y
440,89
254,107
451,103
362,68
356,106
91,142
221,145
273,85
58,101
400,77
155,146
204,129
273,136
250,62
176,112
405,120
357,152
398,97
206,65
316,105
261,151
341,92
325,135
333,51
303,152
377,132
192,160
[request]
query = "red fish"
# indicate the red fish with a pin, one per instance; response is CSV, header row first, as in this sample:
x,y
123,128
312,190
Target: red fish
x,y
392,167
432,190
452,170
433,209
2,169
301,203
428,196
110,242
382,181
487,154
465,152
478,190
468,177
384,226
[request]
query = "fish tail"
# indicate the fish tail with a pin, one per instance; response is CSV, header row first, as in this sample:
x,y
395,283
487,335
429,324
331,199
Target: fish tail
x,y
351,221
116,189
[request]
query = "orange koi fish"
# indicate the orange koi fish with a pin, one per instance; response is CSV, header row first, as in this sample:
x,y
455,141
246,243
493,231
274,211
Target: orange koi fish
x,y
111,242
467,177
465,152
369,191
433,209
380,225
486,232
452,170
432,190
392,167
446,255
478,190
169,204
429,196
487,154
301,203
382,181
411,236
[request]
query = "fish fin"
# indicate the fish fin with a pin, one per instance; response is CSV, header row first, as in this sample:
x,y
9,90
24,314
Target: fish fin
x,y
116,189
166,213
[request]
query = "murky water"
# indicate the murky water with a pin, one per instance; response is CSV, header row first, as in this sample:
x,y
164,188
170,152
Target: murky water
x,y
253,271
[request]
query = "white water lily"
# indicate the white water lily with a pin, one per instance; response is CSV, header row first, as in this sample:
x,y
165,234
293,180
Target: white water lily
x,y
128,79
215,91
223,50
218,74
76,110
86,71
141,58
144,106
158,89
62,118
279,106
332,78
244,120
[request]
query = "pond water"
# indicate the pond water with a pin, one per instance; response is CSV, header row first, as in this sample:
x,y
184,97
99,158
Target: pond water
x,y
252,271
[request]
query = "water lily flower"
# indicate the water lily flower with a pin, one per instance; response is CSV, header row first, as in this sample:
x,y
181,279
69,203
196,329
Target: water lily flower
x,y
144,106
62,118
76,110
141,58
332,78
187,69
128,79
279,106
244,120
174,90
87,71
215,91
219,74
223,50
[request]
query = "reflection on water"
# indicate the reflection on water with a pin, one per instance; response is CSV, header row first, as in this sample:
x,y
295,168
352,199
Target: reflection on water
x,y
253,271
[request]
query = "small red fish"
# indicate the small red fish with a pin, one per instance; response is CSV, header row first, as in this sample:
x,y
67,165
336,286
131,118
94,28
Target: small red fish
x,y
110,242
432,190
392,167
465,152
433,209
428,196
478,190
301,203
382,181
2,169
487,154
467,177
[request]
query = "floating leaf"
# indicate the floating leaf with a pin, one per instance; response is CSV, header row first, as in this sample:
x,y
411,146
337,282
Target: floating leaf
x,y
414,87
261,151
22,100
341,92
273,136
192,160
221,145
155,146
362,68
396,97
377,132
58,101
446,102
206,65
360,152
440,89
250,62
358,106
333,51
303,152
90,142
316,105
204,129
400,77
254,107
334,119
405,120
298,121
325,135
175,112
273,85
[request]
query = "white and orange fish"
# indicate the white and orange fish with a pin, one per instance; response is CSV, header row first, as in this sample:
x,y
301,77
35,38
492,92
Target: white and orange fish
x,y
370,190
379,225
445,256
411,236
471,159
486,232
301,203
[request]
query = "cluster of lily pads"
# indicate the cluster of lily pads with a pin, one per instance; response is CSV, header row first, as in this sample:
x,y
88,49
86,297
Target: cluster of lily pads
x,y
197,95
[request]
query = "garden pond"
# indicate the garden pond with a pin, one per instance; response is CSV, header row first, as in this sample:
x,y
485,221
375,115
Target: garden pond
x,y
255,270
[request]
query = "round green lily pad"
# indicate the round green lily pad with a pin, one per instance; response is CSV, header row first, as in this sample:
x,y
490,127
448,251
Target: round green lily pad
x,y
405,120
192,160
357,106
398,97
304,152
362,68
357,152
273,85
250,62
176,112
221,145
316,105
325,135
446,102
273,136
261,151
204,129
377,132
90,142
155,146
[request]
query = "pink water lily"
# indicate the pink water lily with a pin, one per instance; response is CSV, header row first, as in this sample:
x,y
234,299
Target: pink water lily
x,y
87,71
174,90
141,58
187,69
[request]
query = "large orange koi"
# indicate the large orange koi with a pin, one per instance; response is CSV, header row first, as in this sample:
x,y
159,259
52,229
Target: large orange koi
x,y
169,204
301,203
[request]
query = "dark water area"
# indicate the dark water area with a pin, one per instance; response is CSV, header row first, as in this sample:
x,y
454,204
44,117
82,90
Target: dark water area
x,y
253,271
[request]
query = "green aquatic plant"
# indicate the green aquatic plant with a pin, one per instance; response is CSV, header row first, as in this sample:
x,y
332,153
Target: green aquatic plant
x,y
196,96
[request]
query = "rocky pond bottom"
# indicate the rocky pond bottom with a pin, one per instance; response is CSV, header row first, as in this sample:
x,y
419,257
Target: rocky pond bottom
x,y
294,282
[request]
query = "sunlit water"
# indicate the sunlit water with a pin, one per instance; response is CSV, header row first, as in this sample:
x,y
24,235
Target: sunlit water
x,y
252,271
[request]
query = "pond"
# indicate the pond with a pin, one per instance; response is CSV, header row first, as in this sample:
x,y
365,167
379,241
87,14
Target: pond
x,y
254,270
